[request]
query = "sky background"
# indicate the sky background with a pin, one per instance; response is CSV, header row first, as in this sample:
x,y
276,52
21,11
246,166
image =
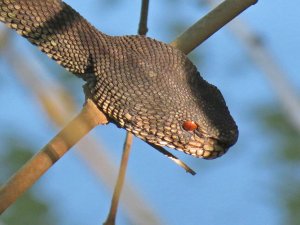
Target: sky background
x,y
236,189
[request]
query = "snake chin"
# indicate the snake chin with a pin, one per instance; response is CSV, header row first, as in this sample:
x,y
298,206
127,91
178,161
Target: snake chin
x,y
199,147
209,149
204,147
197,144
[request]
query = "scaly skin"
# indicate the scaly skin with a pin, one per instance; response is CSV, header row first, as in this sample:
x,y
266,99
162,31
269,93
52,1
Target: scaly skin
x,y
142,85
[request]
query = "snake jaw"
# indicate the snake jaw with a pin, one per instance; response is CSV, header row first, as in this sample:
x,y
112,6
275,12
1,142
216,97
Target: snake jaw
x,y
200,147
209,149
204,147
210,146
196,143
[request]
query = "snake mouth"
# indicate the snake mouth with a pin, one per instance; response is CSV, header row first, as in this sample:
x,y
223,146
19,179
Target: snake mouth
x,y
205,147
198,145
208,148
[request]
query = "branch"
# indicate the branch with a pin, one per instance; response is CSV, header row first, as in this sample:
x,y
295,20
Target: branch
x,y
173,158
120,181
111,218
143,29
211,23
87,119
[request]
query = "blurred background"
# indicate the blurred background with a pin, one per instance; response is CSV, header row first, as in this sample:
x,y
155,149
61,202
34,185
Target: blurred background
x,y
253,61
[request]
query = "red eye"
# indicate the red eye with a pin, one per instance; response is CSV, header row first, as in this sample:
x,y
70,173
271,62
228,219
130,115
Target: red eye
x,y
189,125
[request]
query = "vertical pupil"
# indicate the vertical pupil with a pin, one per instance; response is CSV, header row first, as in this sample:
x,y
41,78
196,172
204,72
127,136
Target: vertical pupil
x,y
189,125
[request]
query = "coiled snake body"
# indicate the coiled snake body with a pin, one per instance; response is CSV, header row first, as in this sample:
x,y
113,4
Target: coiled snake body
x,y
142,85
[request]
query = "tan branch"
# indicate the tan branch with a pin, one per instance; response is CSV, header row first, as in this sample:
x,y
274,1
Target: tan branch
x,y
120,181
87,119
210,24
174,159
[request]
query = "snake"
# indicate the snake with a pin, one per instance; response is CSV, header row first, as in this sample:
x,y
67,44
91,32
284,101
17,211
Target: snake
x,y
143,85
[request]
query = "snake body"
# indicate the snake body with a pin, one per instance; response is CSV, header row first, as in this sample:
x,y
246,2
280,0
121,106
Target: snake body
x,y
143,85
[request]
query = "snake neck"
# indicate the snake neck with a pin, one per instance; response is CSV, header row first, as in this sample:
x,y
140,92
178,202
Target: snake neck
x,y
59,31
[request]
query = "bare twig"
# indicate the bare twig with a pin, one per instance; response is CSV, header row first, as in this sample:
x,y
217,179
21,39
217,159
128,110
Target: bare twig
x,y
87,119
120,181
143,29
111,218
210,24
136,207
174,159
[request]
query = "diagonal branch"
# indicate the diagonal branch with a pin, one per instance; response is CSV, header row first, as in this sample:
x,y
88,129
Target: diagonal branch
x,y
173,158
86,120
210,23
120,181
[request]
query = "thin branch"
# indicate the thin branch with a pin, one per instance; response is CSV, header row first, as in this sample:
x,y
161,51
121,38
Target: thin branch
x,y
87,119
138,210
111,218
143,29
120,181
210,24
174,159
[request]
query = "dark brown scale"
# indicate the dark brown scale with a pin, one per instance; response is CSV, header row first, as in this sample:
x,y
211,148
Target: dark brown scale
x,y
141,84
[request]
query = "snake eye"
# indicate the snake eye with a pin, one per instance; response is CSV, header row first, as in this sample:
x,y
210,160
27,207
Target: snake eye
x,y
189,125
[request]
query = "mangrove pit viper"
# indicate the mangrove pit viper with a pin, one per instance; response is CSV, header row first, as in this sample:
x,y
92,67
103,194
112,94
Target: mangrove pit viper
x,y
145,86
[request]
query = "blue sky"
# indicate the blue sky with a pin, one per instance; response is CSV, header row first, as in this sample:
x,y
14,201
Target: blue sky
x,y
236,189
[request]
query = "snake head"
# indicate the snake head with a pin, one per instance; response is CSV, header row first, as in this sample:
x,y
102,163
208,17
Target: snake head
x,y
181,110
188,114
207,128
206,141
